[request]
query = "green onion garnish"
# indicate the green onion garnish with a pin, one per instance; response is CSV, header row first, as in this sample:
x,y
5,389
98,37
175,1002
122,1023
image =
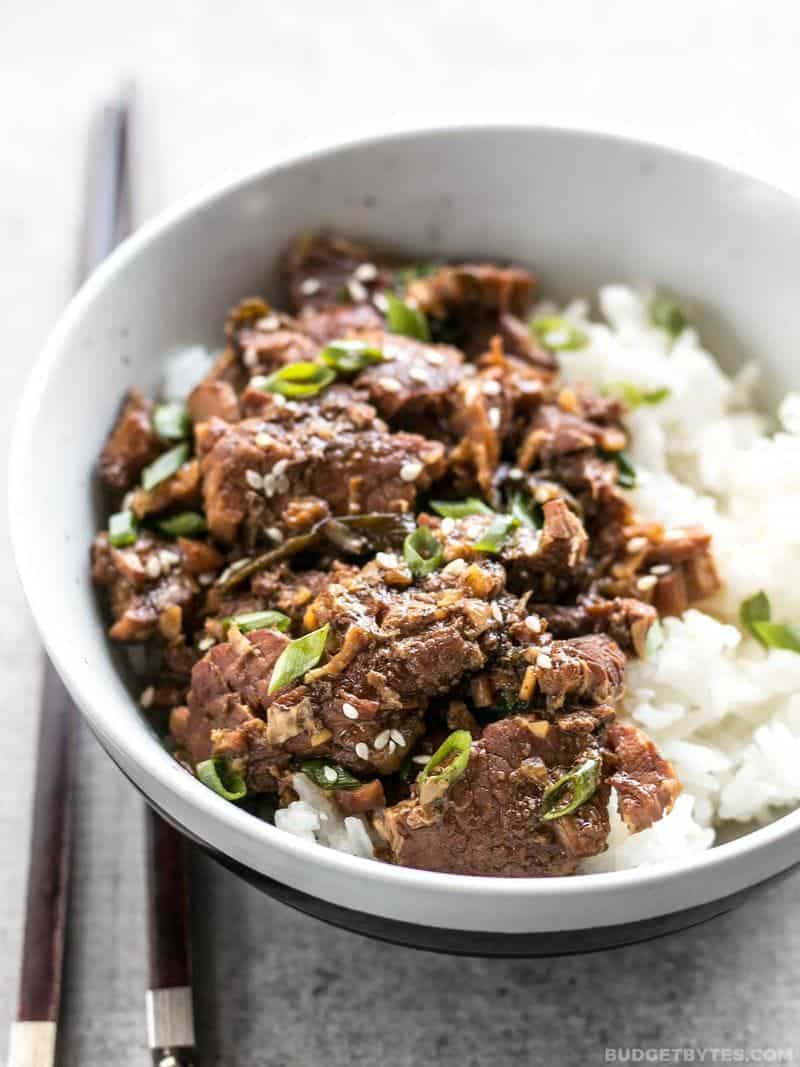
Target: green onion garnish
x,y
329,775
666,314
350,357
494,537
122,529
217,775
401,318
410,272
298,657
171,421
525,511
185,524
167,464
258,620
458,743
559,334
634,397
299,379
582,782
422,551
459,509
627,472
756,616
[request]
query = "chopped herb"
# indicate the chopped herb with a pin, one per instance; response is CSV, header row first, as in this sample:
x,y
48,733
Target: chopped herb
x,y
526,511
582,783
350,357
756,616
185,524
171,421
494,537
167,464
627,472
634,397
258,620
410,272
402,318
298,657
559,334
440,772
755,609
666,314
422,551
299,379
329,775
217,775
122,529
459,509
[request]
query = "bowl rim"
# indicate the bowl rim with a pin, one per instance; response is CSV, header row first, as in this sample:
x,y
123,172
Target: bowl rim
x,y
142,748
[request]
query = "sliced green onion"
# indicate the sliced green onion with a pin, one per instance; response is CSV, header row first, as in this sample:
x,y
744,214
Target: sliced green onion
x,y
627,472
777,635
441,775
258,620
422,551
329,775
755,609
666,314
122,529
401,318
167,464
350,357
299,379
634,397
171,421
559,334
582,783
525,511
410,272
495,536
185,524
298,657
459,509
217,775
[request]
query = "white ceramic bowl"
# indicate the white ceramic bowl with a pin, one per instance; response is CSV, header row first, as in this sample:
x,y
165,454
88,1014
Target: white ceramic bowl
x,y
582,210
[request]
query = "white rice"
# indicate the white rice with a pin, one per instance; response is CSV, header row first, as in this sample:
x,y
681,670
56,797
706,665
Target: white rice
x,y
724,710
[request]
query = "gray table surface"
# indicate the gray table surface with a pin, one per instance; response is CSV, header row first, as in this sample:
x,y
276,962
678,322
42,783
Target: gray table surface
x,y
230,86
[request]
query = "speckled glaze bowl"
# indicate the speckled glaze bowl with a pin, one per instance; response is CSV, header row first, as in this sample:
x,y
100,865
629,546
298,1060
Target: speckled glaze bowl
x,y
581,209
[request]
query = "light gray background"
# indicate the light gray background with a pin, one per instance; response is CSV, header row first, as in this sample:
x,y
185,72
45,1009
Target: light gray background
x,y
231,85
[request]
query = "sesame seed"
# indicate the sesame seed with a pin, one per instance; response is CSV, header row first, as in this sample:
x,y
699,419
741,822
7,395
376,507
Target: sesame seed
x,y
258,381
380,302
263,440
153,567
205,643
382,740
281,401
147,697
358,292
329,774
458,566
646,582
497,613
542,495
269,485
310,286
410,471
254,479
274,534
323,816
390,385
207,578
515,473
448,525
386,559
398,738
436,359
362,751
366,272
661,568
534,624
279,467
494,417
421,760
392,748
546,639
418,374
167,558
250,356
269,322
636,544
544,661
349,711
492,387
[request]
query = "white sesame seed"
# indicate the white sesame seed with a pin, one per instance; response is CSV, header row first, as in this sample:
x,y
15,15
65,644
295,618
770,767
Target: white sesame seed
x,y
534,624
366,272
646,582
398,738
206,578
418,374
269,485
382,740
167,558
147,697
279,467
274,534
386,559
380,302
456,567
515,473
546,639
310,286
436,359
254,479
448,525
390,385
544,661
492,387
269,322
494,417
421,760
153,567
323,816
661,568
392,748
281,401
263,440
250,356
258,381
542,495
497,614
329,774
349,711
636,544
205,643
358,292
362,751
410,471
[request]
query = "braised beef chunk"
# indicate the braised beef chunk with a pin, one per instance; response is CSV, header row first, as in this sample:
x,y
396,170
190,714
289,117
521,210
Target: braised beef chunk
x,y
449,518
490,820
133,443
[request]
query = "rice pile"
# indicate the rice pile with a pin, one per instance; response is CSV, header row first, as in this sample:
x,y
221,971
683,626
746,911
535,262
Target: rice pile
x,y
722,708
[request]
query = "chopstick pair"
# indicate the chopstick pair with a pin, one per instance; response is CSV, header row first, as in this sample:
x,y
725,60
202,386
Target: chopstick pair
x,y
170,1021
